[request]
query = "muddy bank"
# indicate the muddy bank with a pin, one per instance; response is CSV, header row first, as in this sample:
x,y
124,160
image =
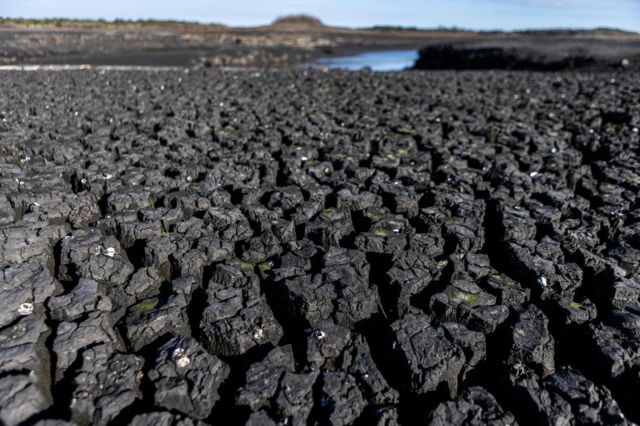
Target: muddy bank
x,y
536,53
200,46
287,44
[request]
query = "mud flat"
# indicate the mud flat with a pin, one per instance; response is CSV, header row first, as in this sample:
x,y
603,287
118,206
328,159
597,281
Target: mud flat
x,y
290,42
285,43
543,51
314,247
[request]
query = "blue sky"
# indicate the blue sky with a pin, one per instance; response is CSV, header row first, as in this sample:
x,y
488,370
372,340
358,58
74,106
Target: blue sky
x,y
472,14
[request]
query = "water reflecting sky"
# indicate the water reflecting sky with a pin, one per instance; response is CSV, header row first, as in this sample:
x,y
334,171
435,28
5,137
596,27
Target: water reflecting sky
x,y
388,60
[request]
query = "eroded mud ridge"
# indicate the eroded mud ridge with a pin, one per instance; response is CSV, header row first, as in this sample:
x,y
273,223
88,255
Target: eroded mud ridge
x,y
319,248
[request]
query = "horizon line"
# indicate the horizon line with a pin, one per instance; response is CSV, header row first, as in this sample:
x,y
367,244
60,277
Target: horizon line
x,y
326,24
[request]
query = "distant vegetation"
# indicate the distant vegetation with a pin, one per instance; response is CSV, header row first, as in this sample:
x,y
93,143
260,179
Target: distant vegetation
x,y
65,22
562,31
49,21
413,28
551,31
294,22
391,28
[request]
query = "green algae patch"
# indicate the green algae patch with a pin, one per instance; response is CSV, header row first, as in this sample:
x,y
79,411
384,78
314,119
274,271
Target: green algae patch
x,y
146,306
381,232
328,213
265,266
242,265
466,298
405,131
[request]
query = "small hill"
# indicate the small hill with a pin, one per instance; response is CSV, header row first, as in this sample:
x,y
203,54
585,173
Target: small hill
x,y
297,23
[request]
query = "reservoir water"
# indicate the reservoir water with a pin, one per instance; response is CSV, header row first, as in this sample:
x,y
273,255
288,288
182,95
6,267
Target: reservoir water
x,y
383,60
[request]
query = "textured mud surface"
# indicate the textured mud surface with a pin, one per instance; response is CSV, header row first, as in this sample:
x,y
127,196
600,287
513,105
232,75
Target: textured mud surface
x,y
319,248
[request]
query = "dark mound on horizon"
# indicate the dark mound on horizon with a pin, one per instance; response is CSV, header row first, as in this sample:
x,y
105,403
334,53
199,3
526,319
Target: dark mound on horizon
x,y
298,22
548,51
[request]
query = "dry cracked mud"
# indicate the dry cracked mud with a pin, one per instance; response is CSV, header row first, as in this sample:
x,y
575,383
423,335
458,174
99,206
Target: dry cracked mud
x,y
307,247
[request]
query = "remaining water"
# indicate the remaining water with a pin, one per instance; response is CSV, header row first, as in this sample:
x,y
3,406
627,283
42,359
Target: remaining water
x,y
384,60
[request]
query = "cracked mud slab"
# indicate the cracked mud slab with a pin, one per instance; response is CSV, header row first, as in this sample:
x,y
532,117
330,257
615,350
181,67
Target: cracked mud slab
x,y
208,247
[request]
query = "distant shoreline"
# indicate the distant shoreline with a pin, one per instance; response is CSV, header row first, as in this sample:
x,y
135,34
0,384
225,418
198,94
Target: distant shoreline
x,y
54,22
287,42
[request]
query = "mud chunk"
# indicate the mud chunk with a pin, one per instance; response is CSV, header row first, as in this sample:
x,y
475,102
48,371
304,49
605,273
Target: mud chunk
x,y
425,357
143,284
410,273
106,383
20,245
294,399
157,251
86,297
157,316
73,337
263,378
357,360
25,283
381,240
326,343
188,264
475,406
465,302
590,404
20,399
237,317
341,291
260,418
25,369
507,291
164,418
229,224
273,382
624,294
214,248
89,254
186,378
330,227
472,343
260,248
532,343
125,200
341,399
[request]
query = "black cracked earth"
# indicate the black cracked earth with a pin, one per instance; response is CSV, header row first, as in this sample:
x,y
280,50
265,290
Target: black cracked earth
x,y
292,247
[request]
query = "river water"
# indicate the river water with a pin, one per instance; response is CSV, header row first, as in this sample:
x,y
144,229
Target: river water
x,y
383,60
